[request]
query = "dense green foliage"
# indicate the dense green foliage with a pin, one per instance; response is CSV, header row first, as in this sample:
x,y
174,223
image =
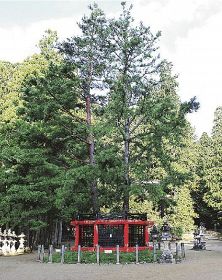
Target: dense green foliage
x,y
95,124
208,196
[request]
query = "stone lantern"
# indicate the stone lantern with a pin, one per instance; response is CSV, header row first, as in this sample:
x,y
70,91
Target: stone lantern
x,y
166,237
199,238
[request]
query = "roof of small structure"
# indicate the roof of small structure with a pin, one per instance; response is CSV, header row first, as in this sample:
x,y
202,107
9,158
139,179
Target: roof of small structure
x,y
112,216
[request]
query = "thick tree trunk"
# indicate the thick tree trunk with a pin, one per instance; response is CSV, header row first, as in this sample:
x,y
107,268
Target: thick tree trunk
x,y
94,191
60,233
55,237
126,171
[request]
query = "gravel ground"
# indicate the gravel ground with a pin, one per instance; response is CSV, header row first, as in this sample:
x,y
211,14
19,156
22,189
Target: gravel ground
x,y
198,265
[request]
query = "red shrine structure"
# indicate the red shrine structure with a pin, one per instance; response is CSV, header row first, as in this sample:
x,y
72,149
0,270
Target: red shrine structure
x,y
127,231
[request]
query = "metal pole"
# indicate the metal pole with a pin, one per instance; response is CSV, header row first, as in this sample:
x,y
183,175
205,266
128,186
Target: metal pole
x,y
50,254
42,254
62,253
79,254
177,256
183,251
117,254
97,254
137,254
154,252
39,253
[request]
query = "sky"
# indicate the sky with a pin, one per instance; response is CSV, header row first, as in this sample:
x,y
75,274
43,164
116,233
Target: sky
x,y
191,39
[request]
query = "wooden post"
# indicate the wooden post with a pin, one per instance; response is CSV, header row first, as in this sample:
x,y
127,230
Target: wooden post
x,y
137,254
117,254
79,254
50,254
62,253
97,254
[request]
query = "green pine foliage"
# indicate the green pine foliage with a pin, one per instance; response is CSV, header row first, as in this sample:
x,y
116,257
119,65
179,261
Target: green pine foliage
x,y
183,213
213,195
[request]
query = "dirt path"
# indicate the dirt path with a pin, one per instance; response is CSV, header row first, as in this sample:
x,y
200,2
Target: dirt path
x,y
199,265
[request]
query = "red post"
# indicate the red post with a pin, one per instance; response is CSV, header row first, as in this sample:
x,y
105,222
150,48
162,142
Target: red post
x,y
96,235
76,236
126,236
147,235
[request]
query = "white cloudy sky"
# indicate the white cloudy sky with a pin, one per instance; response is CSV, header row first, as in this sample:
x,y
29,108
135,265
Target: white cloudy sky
x,y
191,39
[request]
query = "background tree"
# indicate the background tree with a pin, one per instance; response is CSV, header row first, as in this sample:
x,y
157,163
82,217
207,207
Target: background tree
x,y
32,165
213,174
8,95
183,215
205,212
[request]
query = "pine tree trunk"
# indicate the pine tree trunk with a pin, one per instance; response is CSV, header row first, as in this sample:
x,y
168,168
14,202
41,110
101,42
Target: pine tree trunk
x,y
60,233
55,239
126,171
28,237
94,192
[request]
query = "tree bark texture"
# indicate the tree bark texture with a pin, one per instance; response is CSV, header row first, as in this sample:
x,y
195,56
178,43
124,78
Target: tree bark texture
x,y
126,163
91,143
